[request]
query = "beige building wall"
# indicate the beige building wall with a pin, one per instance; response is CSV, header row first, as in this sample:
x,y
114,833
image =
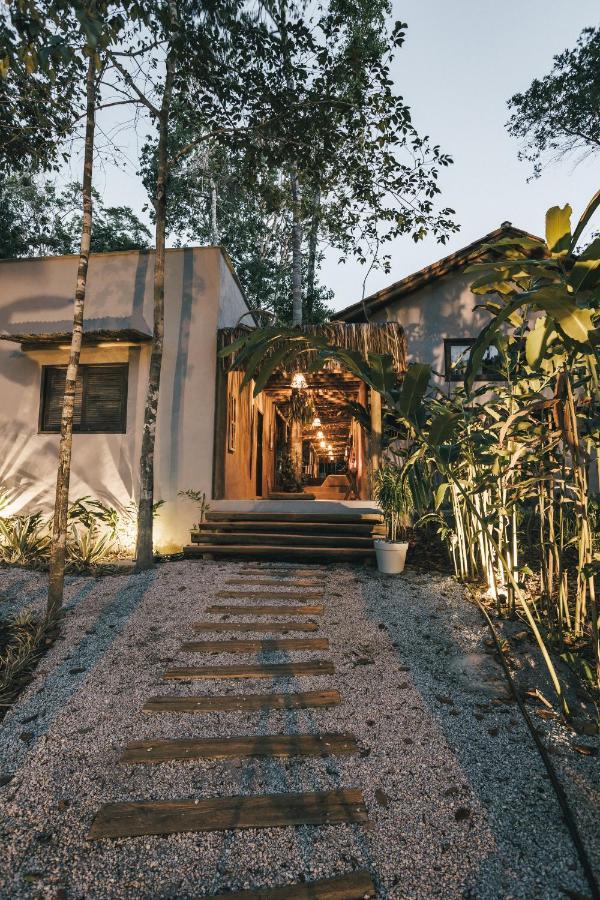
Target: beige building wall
x,y
201,294
445,308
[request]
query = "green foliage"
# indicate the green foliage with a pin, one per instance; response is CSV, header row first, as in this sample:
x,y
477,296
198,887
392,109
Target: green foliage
x,y
199,498
24,540
392,493
300,407
286,475
297,96
559,114
40,221
88,547
94,532
23,639
522,454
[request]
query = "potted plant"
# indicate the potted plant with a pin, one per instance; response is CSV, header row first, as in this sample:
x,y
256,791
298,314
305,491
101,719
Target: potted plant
x,y
389,490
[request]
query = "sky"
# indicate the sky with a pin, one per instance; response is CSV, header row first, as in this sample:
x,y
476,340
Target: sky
x,y
460,63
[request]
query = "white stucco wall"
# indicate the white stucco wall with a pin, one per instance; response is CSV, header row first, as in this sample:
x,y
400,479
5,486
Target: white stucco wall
x,y
37,295
443,309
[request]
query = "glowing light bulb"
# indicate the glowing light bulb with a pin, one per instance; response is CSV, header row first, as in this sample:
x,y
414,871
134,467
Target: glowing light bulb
x,y
316,423
298,381
322,444
320,435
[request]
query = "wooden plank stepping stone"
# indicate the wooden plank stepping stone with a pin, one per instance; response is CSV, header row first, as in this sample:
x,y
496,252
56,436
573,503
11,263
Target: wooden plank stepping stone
x,y
271,595
256,646
225,609
264,670
353,886
273,582
115,820
259,627
240,747
241,702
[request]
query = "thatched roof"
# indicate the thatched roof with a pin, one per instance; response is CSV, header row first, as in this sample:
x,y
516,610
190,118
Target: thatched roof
x,y
371,337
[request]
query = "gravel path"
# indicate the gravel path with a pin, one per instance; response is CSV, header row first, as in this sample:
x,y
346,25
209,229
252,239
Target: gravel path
x,y
458,800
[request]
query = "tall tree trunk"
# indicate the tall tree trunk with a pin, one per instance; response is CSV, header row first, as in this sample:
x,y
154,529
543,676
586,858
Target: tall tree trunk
x,y
56,577
296,251
144,550
214,228
311,265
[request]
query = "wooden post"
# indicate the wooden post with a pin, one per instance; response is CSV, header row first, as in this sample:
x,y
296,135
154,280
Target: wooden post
x,y
296,448
376,430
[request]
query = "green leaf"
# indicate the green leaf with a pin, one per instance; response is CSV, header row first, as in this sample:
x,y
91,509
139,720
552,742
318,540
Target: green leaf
x,y
537,341
487,337
442,427
441,493
414,386
585,218
558,229
585,274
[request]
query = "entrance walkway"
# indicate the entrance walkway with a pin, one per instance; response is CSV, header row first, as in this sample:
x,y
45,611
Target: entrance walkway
x,y
398,762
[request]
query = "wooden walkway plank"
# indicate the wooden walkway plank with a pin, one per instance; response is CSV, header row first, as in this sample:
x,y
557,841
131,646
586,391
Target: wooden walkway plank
x,y
172,703
271,595
258,627
233,610
265,670
274,582
256,646
292,572
158,751
353,886
115,820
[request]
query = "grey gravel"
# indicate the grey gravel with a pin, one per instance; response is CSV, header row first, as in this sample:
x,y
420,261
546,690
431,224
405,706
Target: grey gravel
x,y
458,800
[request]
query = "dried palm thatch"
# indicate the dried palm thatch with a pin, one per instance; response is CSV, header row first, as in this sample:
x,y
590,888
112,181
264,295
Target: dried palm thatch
x,y
364,338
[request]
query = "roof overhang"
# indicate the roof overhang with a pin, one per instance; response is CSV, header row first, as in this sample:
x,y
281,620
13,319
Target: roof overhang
x,y
125,336
461,258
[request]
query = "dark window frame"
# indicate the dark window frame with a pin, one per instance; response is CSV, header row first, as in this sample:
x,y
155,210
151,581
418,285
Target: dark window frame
x,y
452,375
83,369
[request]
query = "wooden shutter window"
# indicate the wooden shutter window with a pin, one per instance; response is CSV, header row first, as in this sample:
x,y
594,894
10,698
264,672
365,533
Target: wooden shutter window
x,y
100,399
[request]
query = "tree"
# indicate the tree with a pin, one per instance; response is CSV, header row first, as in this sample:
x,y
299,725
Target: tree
x,y
216,194
40,221
39,85
82,32
322,144
559,114
186,43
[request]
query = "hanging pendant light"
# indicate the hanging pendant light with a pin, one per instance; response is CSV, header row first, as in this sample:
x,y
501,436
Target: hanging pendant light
x,y
320,436
323,445
316,423
298,382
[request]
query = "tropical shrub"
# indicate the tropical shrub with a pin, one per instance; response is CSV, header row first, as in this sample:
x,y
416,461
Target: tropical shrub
x,y
509,470
24,540
393,496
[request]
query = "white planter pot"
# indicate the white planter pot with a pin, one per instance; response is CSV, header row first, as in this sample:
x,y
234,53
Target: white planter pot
x,y
391,557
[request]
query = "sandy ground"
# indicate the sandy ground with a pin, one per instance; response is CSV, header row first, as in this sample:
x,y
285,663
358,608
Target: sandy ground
x,y
458,800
